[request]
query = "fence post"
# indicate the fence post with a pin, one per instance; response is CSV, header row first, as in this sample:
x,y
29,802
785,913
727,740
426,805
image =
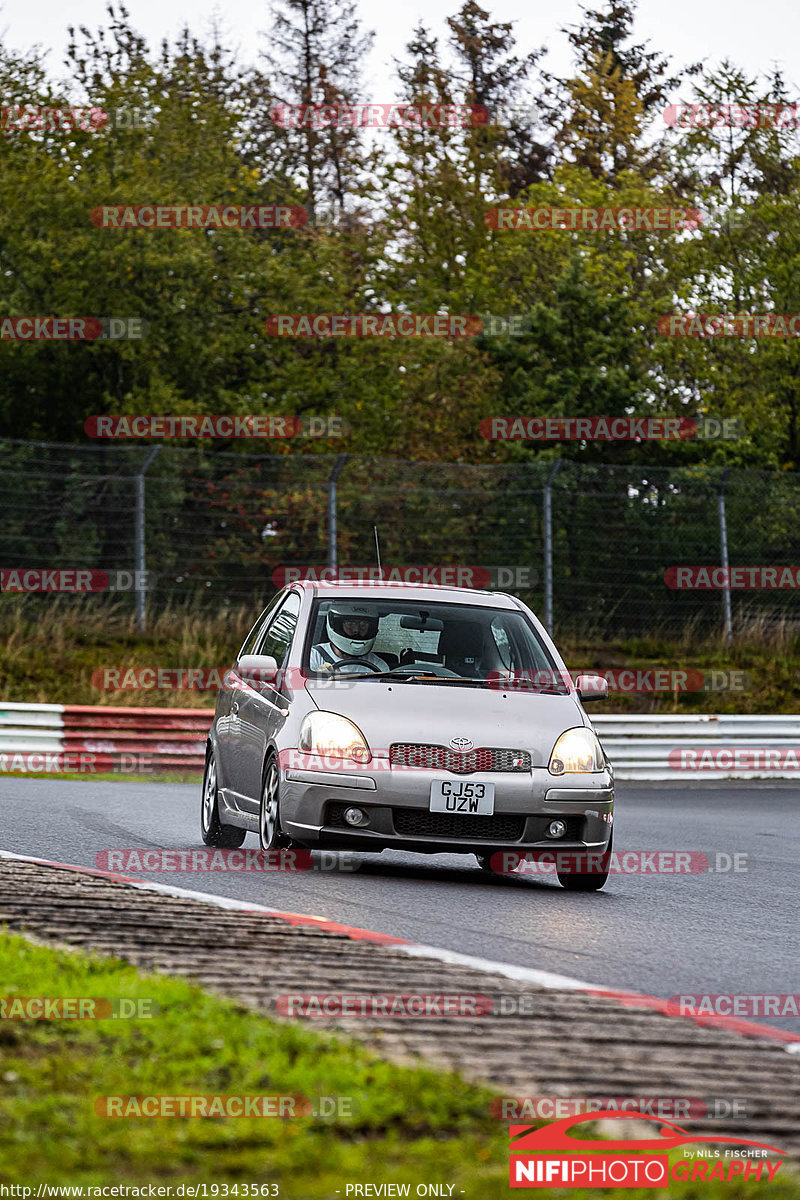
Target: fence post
x,y
335,473
723,549
548,547
141,578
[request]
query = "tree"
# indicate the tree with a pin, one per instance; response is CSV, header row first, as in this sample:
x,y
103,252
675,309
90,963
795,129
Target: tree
x,y
601,113
505,154
316,59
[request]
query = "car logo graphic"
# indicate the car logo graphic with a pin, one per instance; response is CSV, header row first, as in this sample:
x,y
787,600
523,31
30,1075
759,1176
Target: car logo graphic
x,y
461,743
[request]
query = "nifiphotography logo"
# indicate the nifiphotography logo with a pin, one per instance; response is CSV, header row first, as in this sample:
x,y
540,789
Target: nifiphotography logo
x,y
548,1157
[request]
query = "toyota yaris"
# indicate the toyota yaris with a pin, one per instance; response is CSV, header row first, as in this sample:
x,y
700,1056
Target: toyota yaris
x,y
424,718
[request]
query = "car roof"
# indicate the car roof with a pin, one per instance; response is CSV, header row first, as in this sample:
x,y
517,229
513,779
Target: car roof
x,y
408,591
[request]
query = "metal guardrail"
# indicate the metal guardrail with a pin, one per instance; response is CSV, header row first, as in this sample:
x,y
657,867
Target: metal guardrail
x,y
701,746
92,739
651,747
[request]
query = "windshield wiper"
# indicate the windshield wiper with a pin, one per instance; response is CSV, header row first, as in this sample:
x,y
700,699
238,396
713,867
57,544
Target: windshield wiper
x,y
416,673
395,674
421,673
322,676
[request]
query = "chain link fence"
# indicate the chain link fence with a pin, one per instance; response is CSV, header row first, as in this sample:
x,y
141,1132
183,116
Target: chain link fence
x,y
214,528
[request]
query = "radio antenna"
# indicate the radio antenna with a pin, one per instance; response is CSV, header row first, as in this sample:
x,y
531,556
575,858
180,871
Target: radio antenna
x,y
377,545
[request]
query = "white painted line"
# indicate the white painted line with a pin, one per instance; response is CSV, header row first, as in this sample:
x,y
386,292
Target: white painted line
x,y
166,889
543,979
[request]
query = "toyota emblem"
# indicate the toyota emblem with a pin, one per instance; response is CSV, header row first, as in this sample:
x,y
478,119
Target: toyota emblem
x,y
461,743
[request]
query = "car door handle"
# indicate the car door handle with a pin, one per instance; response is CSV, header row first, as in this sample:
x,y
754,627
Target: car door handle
x,y
235,707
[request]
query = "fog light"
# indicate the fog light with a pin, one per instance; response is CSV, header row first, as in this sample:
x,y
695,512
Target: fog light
x,y
355,816
556,829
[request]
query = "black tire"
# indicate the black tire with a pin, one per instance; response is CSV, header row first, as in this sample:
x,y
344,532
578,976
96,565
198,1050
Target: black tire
x,y
591,882
212,831
270,834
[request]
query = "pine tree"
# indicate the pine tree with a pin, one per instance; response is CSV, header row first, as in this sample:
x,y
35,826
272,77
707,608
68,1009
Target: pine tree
x,y
316,55
601,113
505,153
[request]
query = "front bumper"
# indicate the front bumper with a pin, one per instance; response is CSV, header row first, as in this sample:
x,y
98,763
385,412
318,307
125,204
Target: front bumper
x,y
396,803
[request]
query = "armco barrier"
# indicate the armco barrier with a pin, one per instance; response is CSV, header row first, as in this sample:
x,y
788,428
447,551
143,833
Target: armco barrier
x,y
649,747
121,739
163,739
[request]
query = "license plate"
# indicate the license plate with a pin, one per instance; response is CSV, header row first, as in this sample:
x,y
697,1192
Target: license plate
x,y
459,796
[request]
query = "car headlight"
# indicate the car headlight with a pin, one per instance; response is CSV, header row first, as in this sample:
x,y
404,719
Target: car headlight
x,y
333,736
577,750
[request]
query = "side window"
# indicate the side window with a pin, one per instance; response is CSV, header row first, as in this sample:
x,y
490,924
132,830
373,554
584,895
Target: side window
x,y
281,630
251,641
501,641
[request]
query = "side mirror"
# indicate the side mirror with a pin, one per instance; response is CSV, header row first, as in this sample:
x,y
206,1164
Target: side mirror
x,y
592,687
257,668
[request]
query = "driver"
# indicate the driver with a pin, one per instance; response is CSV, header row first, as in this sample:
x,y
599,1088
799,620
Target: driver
x,y
351,628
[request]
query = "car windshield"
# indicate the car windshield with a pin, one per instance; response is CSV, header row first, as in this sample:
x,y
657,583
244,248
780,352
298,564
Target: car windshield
x,y
430,642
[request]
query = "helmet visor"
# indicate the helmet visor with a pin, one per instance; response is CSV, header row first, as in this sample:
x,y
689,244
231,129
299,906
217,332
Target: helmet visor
x,y
357,627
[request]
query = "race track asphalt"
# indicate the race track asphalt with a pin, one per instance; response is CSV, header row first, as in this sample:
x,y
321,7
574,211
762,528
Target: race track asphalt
x,y
665,935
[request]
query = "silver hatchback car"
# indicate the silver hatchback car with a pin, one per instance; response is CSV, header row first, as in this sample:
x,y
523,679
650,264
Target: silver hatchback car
x,y
367,716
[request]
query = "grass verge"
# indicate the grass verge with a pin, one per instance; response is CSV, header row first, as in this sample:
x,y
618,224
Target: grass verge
x,y
58,652
408,1124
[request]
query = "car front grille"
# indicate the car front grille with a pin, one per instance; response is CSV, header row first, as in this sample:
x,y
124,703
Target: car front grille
x,y
416,822
459,762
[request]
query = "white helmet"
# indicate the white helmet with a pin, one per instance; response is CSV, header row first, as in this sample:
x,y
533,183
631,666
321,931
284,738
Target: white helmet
x,y
349,617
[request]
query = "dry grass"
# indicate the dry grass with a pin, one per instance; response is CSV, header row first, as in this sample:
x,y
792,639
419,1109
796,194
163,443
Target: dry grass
x,y
50,648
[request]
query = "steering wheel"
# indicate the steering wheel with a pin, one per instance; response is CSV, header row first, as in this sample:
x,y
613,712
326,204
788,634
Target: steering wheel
x,y
429,668
358,662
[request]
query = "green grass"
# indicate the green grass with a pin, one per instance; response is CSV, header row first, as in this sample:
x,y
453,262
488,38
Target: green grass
x,y
410,1124
50,651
